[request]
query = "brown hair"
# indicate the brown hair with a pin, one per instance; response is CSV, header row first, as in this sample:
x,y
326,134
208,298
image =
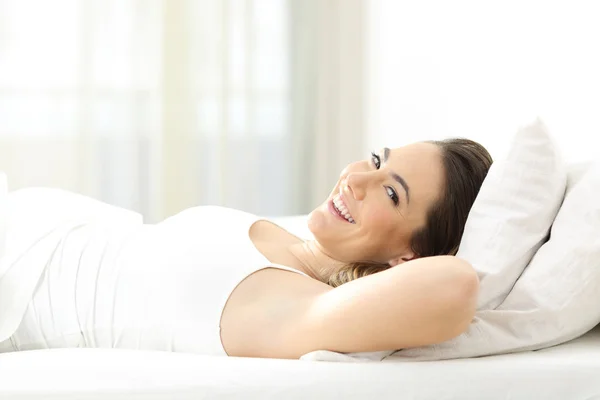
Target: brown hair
x,y
466,164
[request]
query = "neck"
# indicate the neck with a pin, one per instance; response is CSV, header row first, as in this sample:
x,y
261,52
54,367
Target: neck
x,y
313,260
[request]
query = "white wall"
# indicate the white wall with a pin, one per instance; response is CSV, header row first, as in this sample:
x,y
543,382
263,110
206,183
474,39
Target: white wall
x,y
479,69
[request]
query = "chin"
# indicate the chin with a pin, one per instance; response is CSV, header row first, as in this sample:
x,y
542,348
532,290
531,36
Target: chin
x,y
313,221
318,220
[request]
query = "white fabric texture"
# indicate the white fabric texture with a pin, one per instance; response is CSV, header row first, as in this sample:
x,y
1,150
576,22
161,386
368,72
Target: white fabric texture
x,y
3,192
37,220
564,372
513,212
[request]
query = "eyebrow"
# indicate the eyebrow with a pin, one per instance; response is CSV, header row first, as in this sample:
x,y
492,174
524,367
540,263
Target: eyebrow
x,y
398,178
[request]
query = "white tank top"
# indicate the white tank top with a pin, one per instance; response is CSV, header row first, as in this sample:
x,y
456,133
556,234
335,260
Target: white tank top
x,y
174,280
144,286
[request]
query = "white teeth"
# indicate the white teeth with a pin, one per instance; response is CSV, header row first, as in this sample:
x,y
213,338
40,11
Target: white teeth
x,y
343,210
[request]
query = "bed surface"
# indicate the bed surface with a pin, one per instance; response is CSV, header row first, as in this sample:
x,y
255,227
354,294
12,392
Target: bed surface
x,y
569,371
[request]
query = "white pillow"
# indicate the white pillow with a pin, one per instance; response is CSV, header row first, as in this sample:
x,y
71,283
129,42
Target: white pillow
x,y
558,296
3,222
513,212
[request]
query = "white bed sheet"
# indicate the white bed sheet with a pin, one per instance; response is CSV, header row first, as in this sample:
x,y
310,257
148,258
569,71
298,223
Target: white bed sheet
x,y
569,371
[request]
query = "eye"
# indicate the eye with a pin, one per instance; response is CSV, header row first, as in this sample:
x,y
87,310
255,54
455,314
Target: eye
x,y
392,194
376,160
389,190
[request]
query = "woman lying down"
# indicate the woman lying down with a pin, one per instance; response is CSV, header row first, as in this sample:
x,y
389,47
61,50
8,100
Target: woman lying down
x,y
379,275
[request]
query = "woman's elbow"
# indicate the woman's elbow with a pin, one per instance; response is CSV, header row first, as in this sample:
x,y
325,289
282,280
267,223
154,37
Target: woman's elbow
x,y
463,302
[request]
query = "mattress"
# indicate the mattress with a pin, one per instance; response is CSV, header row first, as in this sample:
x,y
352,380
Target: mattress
x,y
568,371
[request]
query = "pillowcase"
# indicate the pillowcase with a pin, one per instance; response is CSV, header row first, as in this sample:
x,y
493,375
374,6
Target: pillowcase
x,y
556,299
513,212
3,222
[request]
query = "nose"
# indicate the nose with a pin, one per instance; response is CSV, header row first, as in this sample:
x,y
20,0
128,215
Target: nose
x,y
357,183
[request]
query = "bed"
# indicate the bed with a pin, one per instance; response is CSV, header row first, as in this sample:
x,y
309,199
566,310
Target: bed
x,y
568,371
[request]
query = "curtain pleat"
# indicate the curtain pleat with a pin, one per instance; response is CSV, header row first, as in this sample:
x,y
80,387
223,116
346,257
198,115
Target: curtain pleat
x,y
160,105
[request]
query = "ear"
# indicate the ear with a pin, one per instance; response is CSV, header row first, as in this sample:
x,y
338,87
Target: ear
x,y
406,256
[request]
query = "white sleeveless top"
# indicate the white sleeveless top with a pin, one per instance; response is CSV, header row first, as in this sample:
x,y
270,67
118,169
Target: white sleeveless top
x,y
140,286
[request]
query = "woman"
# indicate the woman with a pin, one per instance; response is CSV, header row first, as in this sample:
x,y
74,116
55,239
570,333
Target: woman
x,y
214,280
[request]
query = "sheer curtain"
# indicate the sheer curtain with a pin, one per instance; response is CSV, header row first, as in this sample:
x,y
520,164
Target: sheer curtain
x,y
330,47
159,105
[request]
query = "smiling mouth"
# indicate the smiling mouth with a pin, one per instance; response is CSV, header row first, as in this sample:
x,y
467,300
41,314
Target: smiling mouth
x,y
341,209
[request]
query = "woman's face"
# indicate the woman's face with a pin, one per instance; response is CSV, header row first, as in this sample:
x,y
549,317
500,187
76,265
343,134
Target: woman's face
x,y
385,199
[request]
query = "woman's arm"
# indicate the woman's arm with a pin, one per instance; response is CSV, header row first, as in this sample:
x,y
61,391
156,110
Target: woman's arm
x,y
421,302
